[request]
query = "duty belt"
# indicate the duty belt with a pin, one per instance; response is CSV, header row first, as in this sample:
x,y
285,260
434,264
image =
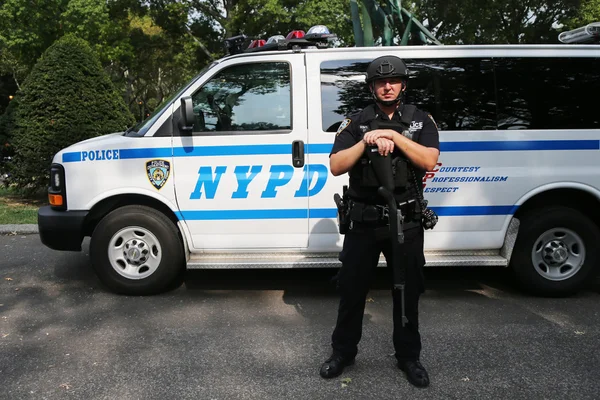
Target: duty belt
x,y
374,213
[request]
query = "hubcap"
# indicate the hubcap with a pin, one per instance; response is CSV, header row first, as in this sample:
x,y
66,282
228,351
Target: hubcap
x,y
558,254
134,252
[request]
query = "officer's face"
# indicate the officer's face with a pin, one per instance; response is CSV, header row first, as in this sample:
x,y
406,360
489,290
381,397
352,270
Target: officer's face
x,y
387,89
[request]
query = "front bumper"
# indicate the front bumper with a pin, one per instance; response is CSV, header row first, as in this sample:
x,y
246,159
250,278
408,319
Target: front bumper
x,y
61,230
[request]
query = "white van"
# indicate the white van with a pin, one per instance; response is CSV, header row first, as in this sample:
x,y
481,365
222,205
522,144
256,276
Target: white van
x,y
233,170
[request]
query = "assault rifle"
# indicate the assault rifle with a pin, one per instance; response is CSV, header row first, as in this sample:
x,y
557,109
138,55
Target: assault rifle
x,y
383,169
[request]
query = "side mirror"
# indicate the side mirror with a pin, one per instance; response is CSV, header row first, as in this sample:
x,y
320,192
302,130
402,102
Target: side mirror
x,y
186,122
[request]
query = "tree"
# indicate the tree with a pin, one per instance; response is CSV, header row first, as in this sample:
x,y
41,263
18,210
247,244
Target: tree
x,y
499,21
260,18
588,12
66,98
26,30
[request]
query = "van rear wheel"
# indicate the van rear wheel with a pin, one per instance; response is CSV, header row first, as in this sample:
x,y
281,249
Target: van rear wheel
x,y
556,251
137,250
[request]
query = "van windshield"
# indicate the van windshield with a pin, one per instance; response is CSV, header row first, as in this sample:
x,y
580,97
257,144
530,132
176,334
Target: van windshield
x,y
142,127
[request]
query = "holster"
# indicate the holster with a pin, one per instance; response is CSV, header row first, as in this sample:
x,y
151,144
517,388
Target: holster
x,y
343,212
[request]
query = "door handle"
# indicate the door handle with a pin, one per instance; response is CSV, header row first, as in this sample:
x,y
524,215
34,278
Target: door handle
x,y
298,153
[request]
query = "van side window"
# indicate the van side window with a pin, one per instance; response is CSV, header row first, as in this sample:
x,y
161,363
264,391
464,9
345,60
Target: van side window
x,y
343,91
459,93
548,93
245,98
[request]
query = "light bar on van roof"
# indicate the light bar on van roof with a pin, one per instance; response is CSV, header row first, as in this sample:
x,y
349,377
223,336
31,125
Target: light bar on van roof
x,y
318,36
585,34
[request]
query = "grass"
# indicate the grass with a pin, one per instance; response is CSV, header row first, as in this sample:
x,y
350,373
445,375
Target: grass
x,y
17,209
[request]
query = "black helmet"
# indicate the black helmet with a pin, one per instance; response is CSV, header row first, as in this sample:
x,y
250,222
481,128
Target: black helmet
x,y
386,67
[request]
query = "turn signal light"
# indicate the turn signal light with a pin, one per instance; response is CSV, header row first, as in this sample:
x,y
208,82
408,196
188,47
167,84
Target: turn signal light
x,y
55,199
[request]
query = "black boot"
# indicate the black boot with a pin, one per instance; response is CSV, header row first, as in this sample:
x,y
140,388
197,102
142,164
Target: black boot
x,y
335,365
415,372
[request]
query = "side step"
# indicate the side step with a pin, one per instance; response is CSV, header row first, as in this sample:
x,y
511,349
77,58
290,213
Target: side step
x,y
330,260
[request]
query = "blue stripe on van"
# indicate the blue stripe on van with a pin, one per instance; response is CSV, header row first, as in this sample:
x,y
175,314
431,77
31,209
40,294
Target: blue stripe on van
x,y
71,157
300,213
525,145
506,145
204,215
235,150
145,153
325,148
454,211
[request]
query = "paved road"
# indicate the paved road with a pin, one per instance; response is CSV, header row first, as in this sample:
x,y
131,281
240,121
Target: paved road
x,y
263,334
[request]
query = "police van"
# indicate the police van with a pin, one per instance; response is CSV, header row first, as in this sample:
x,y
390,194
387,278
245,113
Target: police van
x,y
232,171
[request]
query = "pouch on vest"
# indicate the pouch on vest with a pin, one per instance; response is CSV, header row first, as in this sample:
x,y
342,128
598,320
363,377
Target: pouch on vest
x,y
400,171
367,175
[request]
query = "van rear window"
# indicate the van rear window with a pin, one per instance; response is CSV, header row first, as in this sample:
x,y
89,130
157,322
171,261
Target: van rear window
x,y
478,93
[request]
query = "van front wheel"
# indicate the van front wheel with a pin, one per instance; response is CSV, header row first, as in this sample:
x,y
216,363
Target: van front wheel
x,y
136,250
556,251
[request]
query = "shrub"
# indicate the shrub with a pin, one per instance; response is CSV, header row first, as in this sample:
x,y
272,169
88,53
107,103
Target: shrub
x,y
66,98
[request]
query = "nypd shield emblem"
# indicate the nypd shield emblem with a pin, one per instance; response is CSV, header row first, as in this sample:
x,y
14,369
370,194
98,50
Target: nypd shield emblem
x,y
158,172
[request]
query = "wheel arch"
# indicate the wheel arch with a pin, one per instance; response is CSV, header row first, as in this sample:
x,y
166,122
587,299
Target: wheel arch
x,y
579,196
111,203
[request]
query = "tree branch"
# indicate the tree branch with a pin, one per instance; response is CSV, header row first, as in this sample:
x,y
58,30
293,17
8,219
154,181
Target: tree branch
x,y
14,74
208,10
202,46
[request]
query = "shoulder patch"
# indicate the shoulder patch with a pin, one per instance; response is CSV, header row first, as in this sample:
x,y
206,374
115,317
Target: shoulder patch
x,y
343,126
432,120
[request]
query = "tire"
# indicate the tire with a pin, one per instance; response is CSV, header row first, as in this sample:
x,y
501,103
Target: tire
x,y
136,250
556,251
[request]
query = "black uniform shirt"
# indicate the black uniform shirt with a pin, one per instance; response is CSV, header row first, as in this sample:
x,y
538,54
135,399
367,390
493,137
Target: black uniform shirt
x,y
353,128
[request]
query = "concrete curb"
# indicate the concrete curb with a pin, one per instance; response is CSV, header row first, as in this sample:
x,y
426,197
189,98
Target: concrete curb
x,y
18,229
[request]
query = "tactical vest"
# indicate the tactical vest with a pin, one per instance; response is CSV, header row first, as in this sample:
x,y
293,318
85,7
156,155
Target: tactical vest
x,y
363,182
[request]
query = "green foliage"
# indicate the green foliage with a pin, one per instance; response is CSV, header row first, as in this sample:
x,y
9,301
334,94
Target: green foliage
x,y
17,209
588,12
498,22
27,28
264,18
66,98
162,62
151,47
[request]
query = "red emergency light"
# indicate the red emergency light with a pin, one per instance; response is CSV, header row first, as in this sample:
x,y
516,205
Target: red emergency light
x,y
295,35
257,43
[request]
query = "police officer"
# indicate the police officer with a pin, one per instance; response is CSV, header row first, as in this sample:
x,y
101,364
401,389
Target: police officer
x,y
418,148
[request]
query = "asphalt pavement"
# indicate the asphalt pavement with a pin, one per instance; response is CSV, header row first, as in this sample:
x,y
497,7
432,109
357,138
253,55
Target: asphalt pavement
x,y
247,334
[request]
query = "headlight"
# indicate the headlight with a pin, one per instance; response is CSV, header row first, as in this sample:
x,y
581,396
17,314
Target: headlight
x,y
56,180
57,195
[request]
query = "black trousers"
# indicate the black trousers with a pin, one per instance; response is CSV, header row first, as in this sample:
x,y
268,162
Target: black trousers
x,y
359,257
